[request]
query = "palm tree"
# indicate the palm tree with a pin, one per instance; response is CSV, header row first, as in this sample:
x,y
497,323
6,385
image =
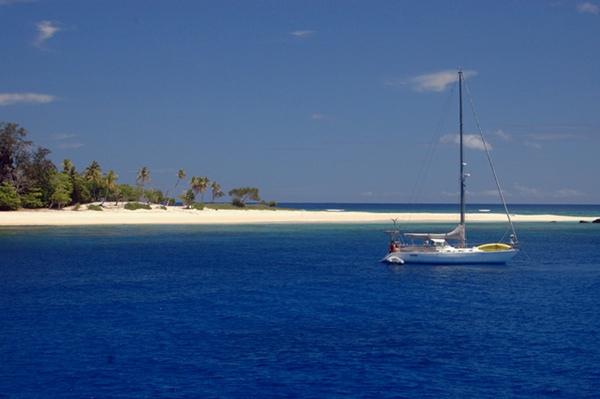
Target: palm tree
x,y
93,174
194,184
215,189
143,176
199,185
188,198
180,176
68,167
109,181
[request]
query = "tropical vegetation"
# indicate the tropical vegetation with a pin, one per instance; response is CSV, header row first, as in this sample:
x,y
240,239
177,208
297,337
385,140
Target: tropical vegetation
x,y
29,179
134,206
243,194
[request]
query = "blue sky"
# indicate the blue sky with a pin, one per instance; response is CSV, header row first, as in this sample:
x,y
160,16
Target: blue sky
x,y
348,101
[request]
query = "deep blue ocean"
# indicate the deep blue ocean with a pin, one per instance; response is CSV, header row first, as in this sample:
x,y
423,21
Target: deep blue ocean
x,y
293,311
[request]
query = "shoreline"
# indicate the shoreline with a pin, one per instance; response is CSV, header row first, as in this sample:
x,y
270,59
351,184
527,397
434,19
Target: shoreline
x,y
180,216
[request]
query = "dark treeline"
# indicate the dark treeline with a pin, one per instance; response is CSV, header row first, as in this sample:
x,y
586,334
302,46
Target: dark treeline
x,y
28,179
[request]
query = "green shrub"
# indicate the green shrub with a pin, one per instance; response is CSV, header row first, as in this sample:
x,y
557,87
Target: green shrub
x,y
93,207
188,198
81,192
33,199
154,196
62,188
9,199
77,206
129,193
60,198
198,206
132,206
244,194
272,204
238,202
164,208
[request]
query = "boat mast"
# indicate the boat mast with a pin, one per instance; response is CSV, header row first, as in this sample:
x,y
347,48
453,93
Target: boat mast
x,y
462,163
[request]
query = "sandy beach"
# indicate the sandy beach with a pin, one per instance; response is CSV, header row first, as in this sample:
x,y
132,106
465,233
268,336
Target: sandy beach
x,y
176,215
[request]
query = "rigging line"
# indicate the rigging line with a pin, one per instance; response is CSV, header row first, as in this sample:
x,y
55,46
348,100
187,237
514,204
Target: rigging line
x,y
487,153
431,149
504,235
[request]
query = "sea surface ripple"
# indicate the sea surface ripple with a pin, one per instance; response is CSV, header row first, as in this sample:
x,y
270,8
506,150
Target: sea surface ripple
x,y
293,311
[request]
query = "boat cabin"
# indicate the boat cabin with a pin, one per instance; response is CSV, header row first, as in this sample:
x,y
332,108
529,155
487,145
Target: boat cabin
x,y
436,242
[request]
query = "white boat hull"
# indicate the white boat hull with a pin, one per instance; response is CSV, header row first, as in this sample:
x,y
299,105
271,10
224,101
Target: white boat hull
x,y
459,256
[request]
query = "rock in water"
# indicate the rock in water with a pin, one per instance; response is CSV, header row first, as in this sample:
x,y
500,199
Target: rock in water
x,y
596,221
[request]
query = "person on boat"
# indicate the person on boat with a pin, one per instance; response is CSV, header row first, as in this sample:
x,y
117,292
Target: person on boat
x,y
393,247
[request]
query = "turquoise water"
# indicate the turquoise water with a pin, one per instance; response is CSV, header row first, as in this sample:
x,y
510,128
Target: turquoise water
x,y
293,311
523,209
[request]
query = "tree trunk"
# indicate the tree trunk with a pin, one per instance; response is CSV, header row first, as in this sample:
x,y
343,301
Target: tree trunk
x,y
105,197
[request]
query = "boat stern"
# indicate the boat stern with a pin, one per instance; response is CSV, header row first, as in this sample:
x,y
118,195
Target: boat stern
x,y
393,258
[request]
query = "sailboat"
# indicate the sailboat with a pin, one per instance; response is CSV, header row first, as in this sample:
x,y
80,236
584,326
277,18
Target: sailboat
x,y
435,248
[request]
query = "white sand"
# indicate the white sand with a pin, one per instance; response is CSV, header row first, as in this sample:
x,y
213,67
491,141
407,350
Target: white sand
x,y
176,215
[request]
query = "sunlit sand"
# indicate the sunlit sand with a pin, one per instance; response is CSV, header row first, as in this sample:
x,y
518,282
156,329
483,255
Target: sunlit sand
x,y
176,215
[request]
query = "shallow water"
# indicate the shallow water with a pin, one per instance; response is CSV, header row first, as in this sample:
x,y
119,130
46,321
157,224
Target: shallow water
x,y
293,311
589,210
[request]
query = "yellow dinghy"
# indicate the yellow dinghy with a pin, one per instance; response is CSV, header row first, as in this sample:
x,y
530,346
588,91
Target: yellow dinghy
x,y
497,246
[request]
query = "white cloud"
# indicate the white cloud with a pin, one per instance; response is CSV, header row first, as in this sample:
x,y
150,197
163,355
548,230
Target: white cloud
x,y
63,136
527,191
25,98
70,146
472,141
64,141
567,193
303,34
437,81
9,2
483,193
553,136
534,192
317,116
588,8
490,193
503,135
535,140
533,145
46,30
